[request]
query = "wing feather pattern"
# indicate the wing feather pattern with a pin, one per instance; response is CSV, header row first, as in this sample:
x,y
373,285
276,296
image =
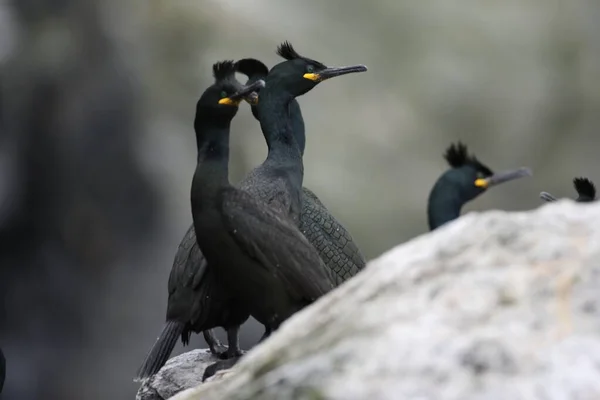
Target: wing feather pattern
x,y
277,244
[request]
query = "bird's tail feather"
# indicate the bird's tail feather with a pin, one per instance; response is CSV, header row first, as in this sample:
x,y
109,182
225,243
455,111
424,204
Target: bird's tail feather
x,y
160,352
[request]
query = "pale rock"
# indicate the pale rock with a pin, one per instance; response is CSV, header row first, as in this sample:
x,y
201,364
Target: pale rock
x,y
493,306
179,373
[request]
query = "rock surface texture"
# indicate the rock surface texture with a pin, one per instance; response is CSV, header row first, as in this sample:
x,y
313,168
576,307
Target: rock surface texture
x,y
179,373
493,306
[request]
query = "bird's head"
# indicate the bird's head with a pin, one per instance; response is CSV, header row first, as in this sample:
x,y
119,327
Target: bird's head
x,y
470,176
255,70
221,100
297,75
586,191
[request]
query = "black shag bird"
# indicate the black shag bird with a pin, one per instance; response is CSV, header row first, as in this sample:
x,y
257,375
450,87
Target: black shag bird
x,y
274,182
258,255
257,70
586,191
465,180
195,304
333,242
2,370
278,180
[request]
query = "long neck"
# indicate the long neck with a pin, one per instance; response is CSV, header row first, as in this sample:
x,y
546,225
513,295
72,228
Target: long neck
x,y
297,122
275,122
444,204
212,169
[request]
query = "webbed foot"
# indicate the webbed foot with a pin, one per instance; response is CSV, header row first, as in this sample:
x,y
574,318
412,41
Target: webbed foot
x,y
219,366
214,345
230,353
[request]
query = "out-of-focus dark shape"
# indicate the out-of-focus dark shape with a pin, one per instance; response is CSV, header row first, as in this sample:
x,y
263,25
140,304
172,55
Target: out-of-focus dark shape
x,y
466,179
74,203
2,370
586,191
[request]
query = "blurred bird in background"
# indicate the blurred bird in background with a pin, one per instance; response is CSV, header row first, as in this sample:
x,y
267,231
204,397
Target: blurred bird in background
x,y
585,188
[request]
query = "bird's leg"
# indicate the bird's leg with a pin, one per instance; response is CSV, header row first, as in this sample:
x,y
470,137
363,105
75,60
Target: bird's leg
x,y
215,346
234,344
233,340
231,356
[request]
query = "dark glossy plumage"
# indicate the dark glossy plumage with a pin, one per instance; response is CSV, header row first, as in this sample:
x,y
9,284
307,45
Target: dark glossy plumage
x,y
257,254
278,251
333,242
287,51
455,187
274,183
195,304
466,179
191,290
255,70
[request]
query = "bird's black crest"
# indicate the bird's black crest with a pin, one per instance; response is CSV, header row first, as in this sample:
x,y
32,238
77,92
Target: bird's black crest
x,y
585,187
251,67
286,50
223,70
458,155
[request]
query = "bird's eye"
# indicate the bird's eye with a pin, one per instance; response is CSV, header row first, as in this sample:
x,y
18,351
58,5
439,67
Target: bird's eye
x,y
310,69
223,94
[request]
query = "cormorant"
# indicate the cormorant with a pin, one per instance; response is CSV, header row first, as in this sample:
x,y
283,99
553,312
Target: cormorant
x,y
275,186
333,242
278,180
2,370
259,256
195,304
586,191
466,179
255,70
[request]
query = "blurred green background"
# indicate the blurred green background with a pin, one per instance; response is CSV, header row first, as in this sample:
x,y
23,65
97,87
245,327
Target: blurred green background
x,y
97,149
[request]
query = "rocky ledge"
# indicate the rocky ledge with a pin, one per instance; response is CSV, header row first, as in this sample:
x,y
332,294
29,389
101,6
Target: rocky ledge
x,y
492,306
179,373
